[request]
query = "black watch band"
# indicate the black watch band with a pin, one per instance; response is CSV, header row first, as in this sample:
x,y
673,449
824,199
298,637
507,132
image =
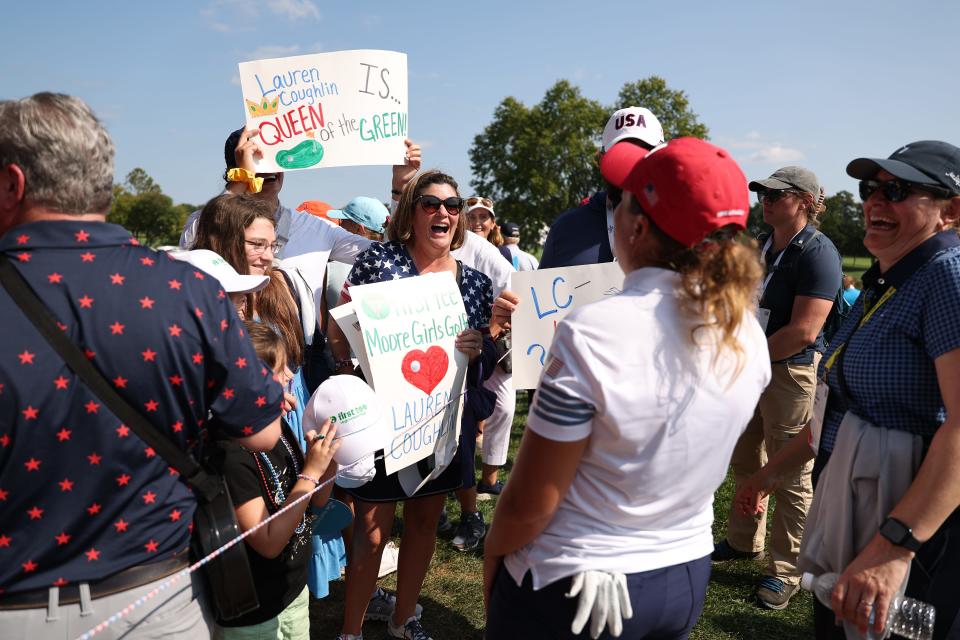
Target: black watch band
x,y
899,534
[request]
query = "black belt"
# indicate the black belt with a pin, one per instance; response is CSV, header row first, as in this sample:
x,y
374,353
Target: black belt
x,y
121,581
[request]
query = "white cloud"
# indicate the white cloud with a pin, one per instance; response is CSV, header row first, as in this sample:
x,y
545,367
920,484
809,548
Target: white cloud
x,y
295,9
273,51
235,79
776,153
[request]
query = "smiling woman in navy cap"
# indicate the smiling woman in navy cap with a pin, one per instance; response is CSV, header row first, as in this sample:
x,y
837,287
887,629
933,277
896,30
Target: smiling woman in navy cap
x,y
892,372
609,508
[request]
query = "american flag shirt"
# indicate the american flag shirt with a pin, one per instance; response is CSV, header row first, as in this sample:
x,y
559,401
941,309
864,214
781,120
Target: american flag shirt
x,y
391,261
81,496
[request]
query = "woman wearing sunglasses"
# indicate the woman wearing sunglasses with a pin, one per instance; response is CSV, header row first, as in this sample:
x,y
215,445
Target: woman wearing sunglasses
x,y
892,373
427,224
803,277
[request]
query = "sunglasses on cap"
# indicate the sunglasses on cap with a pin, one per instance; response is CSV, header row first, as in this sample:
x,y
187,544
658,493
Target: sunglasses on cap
x,y
431,204
898,190
474,200
772,195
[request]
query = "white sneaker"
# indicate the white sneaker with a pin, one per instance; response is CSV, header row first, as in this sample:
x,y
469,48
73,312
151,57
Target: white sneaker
x,y
409,630
388,561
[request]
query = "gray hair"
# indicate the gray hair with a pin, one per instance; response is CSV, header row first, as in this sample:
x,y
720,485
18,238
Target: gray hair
x,y
64,151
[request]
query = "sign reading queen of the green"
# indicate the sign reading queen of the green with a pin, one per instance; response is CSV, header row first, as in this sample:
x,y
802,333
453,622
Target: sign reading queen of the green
x,y
327,109
408,328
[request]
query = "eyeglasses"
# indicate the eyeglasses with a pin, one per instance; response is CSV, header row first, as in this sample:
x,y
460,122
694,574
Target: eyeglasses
x,y
898,190
473,200
431,204
259,246
772,195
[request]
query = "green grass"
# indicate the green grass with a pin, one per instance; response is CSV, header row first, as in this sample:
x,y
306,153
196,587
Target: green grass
x,y
854,266
453,603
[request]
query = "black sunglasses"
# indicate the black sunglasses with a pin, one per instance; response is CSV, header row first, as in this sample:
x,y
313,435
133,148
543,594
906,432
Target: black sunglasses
x,y
898,190
431,204
772,195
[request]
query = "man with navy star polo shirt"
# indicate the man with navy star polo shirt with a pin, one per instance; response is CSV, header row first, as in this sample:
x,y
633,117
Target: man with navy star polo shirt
x,y
90,517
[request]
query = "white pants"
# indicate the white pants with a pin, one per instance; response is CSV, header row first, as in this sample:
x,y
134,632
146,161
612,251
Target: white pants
x,y
496,429
176,612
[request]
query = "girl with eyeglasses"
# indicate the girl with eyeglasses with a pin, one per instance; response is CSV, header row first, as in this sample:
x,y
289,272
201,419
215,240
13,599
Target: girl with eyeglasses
x,y
427,224
241,228
886,450
802,281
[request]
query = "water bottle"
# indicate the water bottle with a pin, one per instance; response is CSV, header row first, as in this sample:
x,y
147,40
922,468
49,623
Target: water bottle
x,y
907,617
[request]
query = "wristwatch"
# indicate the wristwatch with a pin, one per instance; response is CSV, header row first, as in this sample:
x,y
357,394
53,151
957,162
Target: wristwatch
x,y
899,534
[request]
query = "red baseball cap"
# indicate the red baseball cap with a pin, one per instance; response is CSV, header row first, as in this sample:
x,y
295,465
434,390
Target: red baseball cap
x,y
690,188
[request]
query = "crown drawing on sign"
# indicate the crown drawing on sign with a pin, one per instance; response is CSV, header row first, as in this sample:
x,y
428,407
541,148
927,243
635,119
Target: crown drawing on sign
x,y
264,107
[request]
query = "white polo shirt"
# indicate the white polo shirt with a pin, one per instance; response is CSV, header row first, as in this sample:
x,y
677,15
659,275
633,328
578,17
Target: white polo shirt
x,y
480,254
662,420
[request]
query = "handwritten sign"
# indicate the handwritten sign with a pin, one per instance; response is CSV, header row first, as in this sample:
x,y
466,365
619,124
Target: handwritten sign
x,y
408,327
327,109
546,297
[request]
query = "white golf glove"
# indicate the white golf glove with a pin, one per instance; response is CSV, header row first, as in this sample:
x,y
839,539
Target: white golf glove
x,y
604,599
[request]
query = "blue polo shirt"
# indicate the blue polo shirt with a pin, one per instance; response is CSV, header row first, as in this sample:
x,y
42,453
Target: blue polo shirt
x,y
888,364
81,496
579,236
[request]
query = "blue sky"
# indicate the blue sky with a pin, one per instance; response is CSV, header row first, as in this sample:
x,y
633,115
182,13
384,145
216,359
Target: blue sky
x,y
811,83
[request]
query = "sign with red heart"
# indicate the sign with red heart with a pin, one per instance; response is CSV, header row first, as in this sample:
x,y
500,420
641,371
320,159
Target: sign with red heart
x,y
425,369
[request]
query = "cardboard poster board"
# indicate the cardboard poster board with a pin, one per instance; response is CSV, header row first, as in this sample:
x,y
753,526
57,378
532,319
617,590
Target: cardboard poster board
x,y
546,297
327,109
408,327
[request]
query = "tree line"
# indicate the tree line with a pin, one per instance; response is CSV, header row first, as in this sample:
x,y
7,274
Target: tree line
x,y
140,206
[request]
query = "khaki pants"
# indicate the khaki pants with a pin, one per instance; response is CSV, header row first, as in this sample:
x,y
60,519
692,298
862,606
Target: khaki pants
x,y
784,408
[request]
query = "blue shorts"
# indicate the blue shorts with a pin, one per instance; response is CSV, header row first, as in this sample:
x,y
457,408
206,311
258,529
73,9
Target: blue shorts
x,y
666,605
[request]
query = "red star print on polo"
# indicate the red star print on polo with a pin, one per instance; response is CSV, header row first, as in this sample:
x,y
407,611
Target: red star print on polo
x,y
240,363
175,331
123,431
151,546
116,328
223,325
66,484
198,275
146,261
177,426
35,513
94,509
197,311
30,413
175,380
63,538
228,393
89,353
149,355
197,358
260,401
123,480
175,515
146,302
91,406
92,555
55,278
32,464
26,357
116,278
64,434
94,458
23,238
29,566
23,257
5,541
149,497
121,525
61,383
120,382
82,236
151,405
174,284
5,440
87,257
149,452
86,302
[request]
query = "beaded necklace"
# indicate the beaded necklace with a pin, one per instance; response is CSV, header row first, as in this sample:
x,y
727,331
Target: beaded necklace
x,y
279,496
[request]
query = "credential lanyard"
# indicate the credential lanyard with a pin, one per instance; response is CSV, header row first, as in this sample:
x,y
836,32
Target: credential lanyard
x,y
867,314
773,268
